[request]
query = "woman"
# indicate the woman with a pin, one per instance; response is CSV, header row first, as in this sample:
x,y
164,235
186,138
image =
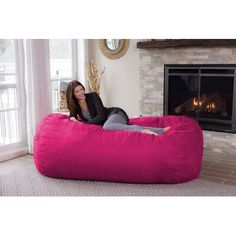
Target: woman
x,y
88,108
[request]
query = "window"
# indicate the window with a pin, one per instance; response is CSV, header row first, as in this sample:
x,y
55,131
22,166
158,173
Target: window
x,y
12,102
63,67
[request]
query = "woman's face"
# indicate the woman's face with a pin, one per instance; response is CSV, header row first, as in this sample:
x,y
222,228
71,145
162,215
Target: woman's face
x,y
79,92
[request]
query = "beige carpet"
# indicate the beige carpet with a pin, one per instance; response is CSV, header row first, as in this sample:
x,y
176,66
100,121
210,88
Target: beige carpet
x,y
28,182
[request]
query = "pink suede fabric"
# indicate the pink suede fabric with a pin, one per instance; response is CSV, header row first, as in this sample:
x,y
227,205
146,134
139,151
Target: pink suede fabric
x,y
65,149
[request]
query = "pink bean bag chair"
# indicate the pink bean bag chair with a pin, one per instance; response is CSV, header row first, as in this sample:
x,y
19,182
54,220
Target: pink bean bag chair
x,y
65,149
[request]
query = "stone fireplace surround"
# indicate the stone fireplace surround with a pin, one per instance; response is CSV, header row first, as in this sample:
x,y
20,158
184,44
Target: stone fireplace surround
x,y
152,63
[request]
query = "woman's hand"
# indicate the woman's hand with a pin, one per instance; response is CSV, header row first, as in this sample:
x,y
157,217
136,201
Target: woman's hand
x,y
79,119
74,120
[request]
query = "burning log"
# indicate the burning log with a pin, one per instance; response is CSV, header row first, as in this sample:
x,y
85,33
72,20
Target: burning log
x,y
213,103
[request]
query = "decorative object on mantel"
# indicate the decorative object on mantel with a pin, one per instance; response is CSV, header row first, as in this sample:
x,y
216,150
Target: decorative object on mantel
x,y
93,76
113,48
167,43
62,96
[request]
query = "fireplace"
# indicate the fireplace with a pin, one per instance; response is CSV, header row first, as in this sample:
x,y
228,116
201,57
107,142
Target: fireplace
x,y
205,92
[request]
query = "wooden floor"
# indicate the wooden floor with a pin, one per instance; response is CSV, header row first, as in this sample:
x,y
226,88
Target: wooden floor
x,y
216,167
219,167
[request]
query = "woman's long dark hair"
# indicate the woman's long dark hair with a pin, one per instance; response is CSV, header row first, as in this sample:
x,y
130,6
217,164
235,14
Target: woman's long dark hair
x,y
70,98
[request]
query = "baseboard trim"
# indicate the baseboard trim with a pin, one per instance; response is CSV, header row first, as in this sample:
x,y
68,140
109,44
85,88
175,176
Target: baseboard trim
x,y
5,156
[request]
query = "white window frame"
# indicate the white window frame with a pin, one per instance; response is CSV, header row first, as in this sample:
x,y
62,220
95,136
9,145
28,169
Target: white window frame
x,y
13,150
75,71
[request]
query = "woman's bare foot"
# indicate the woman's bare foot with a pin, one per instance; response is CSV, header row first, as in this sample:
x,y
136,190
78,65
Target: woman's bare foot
x,y
147,131
166,129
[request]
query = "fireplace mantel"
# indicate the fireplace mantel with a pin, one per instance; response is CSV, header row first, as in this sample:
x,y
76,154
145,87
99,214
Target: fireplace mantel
x,y
172,43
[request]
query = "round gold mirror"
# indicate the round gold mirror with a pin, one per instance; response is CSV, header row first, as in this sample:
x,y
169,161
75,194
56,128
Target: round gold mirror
x,y
114,48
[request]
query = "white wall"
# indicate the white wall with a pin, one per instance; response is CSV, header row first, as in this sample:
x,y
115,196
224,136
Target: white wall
x,y
120,82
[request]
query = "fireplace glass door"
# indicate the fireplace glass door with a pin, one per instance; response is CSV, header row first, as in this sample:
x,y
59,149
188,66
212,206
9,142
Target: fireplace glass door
x,y
183,87
216,94
204,92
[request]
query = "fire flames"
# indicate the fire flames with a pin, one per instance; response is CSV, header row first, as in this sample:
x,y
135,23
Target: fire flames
x,y
211,106
199,104
211,103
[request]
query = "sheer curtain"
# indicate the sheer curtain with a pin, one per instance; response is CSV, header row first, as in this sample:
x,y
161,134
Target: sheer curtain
x,y
37,83
82,59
